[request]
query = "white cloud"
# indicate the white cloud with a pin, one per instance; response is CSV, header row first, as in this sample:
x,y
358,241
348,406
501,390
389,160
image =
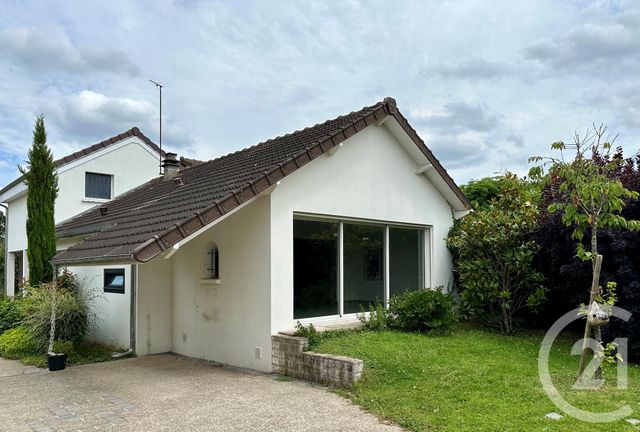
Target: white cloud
x,y
87,117
609,43
36,51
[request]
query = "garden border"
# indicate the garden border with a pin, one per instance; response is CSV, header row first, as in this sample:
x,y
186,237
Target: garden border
x,y
289,357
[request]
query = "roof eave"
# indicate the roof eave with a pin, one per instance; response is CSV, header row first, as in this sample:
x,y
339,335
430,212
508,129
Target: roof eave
x,y
114,259
411,132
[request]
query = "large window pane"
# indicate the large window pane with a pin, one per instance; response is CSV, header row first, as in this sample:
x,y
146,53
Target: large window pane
x,y
363,266
406,260
315,268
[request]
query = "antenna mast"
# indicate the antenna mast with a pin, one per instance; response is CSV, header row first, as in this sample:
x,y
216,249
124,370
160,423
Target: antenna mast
x,y
159,86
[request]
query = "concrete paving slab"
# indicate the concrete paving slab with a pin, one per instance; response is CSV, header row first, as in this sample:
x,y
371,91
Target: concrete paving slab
x,y
169,393
14,367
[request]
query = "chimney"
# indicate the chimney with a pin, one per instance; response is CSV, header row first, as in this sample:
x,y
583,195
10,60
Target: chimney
x,y
170,165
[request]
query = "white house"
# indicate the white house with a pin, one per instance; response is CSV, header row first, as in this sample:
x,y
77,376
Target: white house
x,y
92,175
210,260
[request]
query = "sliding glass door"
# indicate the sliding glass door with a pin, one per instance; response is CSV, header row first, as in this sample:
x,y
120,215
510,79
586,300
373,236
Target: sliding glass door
x,y
406,260
315,269
340,267
363,247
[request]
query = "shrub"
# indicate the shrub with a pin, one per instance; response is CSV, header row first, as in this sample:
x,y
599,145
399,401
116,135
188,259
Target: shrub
x,y
72,316
64,347
18,342
423,311
308,332
68,280
494,253
379,318
10,315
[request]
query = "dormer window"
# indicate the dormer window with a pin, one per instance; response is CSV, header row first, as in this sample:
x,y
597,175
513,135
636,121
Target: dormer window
x,y
97,185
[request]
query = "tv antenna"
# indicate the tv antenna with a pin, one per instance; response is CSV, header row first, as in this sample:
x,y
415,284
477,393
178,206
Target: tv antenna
x,y
159,87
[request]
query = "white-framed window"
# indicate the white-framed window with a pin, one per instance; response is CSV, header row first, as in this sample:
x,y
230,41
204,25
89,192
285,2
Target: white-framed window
x,y
98,185
342,267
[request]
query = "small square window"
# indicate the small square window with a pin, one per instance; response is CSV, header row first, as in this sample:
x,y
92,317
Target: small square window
x,y
97,185
114,281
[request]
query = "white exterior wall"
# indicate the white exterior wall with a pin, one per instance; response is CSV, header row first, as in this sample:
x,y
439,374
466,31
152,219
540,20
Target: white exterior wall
x,y
370,177
113,310
226,323
153,313
17,234
130,162
16,239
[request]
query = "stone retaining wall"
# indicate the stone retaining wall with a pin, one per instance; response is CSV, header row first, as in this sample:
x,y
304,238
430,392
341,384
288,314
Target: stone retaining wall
x,y
288,357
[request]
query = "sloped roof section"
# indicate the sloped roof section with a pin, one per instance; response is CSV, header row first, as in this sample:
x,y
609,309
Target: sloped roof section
x,y
141,224
134,131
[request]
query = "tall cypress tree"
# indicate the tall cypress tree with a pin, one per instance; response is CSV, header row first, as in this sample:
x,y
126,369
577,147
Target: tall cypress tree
x,y
42,190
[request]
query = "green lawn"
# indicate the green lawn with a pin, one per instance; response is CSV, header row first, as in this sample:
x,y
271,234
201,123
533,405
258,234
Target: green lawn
x,y
471,380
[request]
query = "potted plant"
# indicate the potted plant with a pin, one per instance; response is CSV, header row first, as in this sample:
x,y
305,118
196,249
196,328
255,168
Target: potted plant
x,y
55,361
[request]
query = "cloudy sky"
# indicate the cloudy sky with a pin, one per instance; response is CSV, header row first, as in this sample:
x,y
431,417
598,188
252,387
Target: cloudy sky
x,y
486,84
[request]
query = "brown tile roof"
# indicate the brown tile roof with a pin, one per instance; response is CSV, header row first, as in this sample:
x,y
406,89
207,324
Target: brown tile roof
x,y
144,222
187,162
134,131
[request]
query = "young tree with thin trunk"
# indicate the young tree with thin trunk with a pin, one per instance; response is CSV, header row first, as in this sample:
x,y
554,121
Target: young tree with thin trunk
x,y
42,190
590,198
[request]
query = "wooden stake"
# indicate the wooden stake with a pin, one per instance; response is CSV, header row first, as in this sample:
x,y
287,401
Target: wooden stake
x,y
595,288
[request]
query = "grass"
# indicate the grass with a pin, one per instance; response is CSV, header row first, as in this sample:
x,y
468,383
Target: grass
x,y
472,380
85,354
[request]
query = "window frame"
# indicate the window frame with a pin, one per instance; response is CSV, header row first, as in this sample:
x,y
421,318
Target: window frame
x,y
114,289
427,257
86,183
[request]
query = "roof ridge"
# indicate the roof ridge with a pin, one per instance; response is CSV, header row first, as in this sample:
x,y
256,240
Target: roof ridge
x,y
133,131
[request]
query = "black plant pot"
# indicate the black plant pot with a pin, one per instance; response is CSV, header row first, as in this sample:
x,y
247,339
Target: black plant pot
x,y
56,362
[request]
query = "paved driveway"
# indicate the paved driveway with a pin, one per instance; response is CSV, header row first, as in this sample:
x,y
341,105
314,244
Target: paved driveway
x,y
169,393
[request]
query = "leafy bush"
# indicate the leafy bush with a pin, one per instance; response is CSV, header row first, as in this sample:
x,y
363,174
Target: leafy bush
x,y
72,316
379,318
494,252
64,347
482,192
308,332
10,315
422,311
18,342
68,280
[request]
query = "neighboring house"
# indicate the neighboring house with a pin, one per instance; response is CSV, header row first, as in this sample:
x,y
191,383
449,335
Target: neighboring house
x,y
211,260
93,175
